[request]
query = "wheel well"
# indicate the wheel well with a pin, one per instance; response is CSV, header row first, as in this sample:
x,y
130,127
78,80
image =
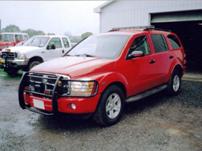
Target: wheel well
x,y
120,85
179,69
36,59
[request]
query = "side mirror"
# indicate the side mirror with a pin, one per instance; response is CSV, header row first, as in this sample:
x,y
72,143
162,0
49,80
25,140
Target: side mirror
x,y
135,54
52,46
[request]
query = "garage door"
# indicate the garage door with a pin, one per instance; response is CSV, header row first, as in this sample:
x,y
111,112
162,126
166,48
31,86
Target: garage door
x,y
194,15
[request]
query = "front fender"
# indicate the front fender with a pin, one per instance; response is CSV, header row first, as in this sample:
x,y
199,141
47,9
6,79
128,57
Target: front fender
x,y
106,79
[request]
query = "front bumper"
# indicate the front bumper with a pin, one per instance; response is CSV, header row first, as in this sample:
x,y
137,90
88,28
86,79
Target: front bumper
x,y
16,63
56,104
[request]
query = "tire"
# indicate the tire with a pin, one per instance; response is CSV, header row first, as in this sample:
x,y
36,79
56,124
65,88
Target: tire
x,y
110,107
174,85
12,72
33,63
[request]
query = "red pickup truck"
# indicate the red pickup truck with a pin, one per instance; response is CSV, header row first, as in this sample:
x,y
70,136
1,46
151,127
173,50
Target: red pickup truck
x,y
105,71
8,39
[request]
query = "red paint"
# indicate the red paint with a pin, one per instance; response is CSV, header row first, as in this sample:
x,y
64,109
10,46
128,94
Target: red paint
x,y
136,75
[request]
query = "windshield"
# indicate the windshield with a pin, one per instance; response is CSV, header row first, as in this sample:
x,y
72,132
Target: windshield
x,y
37,41
6,37
104,46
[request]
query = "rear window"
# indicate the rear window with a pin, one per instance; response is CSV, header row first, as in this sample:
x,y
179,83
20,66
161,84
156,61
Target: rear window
x,y
159,43
174,41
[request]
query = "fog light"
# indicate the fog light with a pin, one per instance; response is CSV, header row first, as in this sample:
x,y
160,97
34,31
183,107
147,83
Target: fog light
x,y
72,106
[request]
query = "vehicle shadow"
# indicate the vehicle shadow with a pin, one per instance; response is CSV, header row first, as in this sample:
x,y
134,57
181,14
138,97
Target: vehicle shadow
x,y
75,123
190,90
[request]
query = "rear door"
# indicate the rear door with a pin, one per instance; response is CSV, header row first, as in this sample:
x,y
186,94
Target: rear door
x,y
161,57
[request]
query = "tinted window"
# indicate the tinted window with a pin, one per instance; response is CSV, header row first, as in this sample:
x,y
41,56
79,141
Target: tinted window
x,y
56,42
159,43
174,41
65,42
140,44
103,46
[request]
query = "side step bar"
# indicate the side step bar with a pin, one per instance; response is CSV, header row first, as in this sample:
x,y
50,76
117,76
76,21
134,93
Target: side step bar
x,y
146,94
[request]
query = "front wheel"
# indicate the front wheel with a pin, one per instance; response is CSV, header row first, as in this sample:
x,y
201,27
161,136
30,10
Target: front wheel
x,y
32,64
12,72
110,107
174,85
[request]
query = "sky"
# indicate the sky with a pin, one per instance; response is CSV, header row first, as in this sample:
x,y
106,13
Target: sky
x,y
75,17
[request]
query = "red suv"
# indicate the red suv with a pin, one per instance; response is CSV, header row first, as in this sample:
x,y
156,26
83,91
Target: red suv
x,y
103,72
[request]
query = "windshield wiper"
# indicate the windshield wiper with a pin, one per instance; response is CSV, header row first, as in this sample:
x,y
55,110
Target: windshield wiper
x,y
85,55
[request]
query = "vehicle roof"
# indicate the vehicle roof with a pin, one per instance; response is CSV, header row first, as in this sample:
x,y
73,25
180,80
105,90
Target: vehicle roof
x,y
136,31
12,33
51,36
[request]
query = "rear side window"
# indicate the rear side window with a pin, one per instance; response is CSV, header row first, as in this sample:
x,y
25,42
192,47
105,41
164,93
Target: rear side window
x,y
159,42
65,42
174,41
140,44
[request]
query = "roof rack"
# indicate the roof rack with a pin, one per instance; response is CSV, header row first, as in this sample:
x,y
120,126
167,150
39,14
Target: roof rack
x,y
144,28
132,28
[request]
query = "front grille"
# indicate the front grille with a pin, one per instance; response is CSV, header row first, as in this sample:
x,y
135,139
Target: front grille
x,y
9,55
41,84
44,84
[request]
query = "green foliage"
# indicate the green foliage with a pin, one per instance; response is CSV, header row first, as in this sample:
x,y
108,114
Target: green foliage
x,y
32,32
11,28
86,34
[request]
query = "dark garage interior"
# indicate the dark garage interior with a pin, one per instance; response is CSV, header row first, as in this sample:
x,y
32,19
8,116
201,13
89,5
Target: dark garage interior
x,y
188,26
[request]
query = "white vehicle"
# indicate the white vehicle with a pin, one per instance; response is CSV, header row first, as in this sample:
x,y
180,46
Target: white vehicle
x,y
33,52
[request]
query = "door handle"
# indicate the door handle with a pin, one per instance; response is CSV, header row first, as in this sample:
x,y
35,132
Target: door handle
x,y
63,51
171,57
152,61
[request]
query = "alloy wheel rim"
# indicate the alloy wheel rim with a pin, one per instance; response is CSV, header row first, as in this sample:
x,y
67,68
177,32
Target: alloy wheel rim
x,y
113,105
176,83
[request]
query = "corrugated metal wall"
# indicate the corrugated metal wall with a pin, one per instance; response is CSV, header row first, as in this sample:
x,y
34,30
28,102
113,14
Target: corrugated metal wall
x,y
124,13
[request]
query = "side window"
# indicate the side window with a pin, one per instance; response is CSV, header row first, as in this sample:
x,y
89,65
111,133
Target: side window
x,y
159,42
65,42
25,37
140,44
56,42
18,38
174,41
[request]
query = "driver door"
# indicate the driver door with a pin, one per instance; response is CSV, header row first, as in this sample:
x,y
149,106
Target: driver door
x,y
54,48
140,70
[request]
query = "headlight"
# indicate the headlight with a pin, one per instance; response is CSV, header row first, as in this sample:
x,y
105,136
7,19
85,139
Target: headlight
x,y
79,88
21,56
83,88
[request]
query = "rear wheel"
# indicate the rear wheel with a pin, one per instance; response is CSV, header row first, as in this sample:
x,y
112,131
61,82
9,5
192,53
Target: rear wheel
x,y
174,85
110,107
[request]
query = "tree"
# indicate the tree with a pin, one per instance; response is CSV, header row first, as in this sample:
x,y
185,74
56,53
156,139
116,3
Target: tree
x,y
11,28
32,32
86,34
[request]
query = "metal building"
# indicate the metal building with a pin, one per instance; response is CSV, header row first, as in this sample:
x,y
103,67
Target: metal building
x,y
181,16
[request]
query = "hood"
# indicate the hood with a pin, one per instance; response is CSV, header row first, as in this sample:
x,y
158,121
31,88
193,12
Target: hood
x,y
22,49
75,67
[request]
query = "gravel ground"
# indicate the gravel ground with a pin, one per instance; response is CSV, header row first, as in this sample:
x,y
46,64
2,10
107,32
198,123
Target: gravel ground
x,y
158,123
